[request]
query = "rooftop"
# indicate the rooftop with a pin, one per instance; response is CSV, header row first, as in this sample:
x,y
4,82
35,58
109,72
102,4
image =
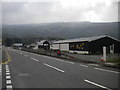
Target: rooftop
x,y
89,39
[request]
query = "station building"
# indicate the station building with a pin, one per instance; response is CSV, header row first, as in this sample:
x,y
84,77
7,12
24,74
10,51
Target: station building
x,y
88,45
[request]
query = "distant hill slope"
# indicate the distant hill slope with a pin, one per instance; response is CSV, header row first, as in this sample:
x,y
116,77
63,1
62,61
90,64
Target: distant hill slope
x,y
61,30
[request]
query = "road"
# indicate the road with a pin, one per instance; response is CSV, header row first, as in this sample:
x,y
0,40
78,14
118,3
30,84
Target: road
x,y
29,70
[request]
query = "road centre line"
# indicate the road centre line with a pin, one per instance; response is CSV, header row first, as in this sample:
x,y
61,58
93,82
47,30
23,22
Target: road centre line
x,y
35,59
97,84
54,67
94,65
83,65
54,58
106,70
70,62
58,59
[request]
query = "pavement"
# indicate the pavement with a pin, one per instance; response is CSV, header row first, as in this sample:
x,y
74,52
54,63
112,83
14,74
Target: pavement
x,y
29,70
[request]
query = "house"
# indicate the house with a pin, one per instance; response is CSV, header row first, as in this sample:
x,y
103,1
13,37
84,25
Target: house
x,y
44,44
87,45
17,45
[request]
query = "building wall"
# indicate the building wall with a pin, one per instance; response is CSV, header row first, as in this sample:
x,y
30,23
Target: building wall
x,y
79,46
54,46
79,52
97,45
91,47
64,47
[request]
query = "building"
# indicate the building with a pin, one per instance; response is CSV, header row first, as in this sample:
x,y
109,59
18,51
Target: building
x,y
88,45
17,45
44,44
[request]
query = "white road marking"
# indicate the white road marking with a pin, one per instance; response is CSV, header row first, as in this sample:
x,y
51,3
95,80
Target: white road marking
x,y
94,64
83,65
58,59
106,70
9,86
7,73
54,67
7,69
97,84
35,59
70,62
8,77
53,58
8,82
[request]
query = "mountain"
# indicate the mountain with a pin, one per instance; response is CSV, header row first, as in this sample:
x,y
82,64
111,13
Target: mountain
x,y
61,30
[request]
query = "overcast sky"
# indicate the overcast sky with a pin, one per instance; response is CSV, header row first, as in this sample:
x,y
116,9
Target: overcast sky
x,y
59,11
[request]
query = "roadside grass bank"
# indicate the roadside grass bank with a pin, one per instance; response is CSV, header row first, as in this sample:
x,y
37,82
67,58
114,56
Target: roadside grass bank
x,y
115,61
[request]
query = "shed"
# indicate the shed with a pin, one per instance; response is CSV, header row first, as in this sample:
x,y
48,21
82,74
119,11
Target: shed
x,y
44,44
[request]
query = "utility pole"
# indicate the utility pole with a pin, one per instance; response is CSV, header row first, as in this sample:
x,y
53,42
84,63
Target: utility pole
x,y
104,53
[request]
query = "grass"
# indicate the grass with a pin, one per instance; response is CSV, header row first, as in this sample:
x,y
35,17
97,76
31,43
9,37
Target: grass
x,y
115,61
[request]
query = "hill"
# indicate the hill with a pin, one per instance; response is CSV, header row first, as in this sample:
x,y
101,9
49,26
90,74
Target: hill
x,y
60,30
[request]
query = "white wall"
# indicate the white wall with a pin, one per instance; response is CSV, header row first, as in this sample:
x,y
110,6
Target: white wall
x,y
54,46
64,47
79,52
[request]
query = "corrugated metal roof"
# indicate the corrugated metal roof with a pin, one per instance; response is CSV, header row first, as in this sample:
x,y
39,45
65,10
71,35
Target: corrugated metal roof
x,y
41,42
83,39
18,44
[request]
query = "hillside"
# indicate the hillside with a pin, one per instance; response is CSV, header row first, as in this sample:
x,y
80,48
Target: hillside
x,y
61,30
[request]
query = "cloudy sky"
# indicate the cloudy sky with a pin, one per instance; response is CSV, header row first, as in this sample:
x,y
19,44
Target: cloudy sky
x,y
44,11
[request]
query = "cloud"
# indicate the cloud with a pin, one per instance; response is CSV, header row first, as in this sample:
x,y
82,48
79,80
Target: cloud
x,y
59,11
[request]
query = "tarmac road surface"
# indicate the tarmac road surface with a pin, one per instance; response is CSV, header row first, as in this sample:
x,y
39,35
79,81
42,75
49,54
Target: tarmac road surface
x,y
29,70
